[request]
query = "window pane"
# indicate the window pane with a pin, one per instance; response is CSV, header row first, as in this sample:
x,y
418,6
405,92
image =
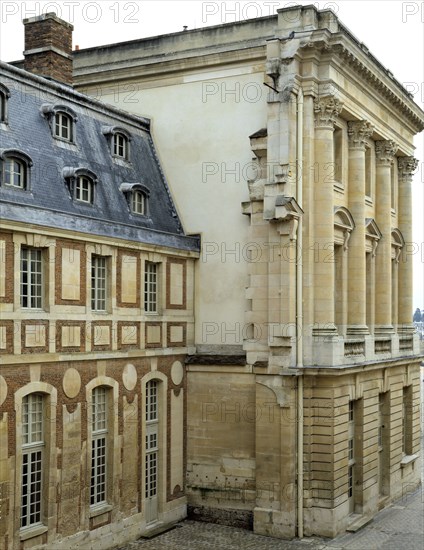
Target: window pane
x,y
31,278
151,288
98,283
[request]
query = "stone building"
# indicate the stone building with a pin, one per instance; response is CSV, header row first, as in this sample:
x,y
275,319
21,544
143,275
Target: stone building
x,y
96,293
303,391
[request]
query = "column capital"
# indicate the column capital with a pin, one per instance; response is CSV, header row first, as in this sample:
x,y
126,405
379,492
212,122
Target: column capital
x,y
385,151
327,109
407,167
358,132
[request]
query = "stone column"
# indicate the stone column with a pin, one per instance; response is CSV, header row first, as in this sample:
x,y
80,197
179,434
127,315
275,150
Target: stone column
x,y
358,133
327,110
407,166
385,152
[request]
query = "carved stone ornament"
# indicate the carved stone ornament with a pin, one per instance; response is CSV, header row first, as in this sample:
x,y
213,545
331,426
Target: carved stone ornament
x,y
385,151
358,133
407,167
327,109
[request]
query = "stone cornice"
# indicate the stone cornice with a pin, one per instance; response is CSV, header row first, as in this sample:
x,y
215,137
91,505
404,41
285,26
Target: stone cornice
x,y
385,151
354,57
407,167
327,110
358,133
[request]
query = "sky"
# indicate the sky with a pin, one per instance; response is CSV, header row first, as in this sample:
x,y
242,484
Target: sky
x,y
392,30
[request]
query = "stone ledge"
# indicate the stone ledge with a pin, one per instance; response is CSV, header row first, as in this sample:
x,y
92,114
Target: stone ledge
x,y
94,512
32,532
408,459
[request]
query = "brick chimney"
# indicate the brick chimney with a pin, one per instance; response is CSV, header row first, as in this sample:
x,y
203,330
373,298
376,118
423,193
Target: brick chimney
x,y
48,47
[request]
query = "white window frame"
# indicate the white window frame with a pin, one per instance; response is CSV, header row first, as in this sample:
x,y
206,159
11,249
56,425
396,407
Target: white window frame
x,y
151,488
151,287
84,189
99,283
32,460
60,128
17,177
120,145
139,202
99,446
351,450
31,291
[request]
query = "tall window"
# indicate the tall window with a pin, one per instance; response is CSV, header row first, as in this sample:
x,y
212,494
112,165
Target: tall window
x,y
351,456
139,202
31,278
99,427
338,155
14,173
4,96
98,283
120,145
84,189
63,126
32,460
152,450
151,287
407,421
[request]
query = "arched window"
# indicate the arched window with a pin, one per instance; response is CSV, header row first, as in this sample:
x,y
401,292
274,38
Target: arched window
x,y
63,126
62,120
139,203
119,141
120,145
81,183
137,196
15,169
84,189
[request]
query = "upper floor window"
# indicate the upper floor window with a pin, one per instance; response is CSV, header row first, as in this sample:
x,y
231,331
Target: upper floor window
x,y
63,126
120,145
4,96
32,278
98,283
84,189
15,169
151,287
32,460
137,196
139,203
81,183
62,120
119,141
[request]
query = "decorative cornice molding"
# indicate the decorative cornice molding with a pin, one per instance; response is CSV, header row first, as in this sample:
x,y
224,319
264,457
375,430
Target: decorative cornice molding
x,y
358,133
407,167
385,151
327,110
349,59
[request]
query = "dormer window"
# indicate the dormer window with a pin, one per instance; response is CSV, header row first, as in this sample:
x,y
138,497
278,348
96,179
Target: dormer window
x,y
137,196
81,183
84,189
4,96
62,120
138,202
15,169
63,126
120,145
119,142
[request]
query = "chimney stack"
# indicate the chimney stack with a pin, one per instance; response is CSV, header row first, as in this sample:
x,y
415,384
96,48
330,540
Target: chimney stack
x,y
48,47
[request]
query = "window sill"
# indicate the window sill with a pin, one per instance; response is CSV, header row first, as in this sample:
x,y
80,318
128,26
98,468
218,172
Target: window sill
x,y
408,459
31,532
98,511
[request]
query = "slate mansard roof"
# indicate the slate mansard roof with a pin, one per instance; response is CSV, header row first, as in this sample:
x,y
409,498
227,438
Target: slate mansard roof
x,y
48,201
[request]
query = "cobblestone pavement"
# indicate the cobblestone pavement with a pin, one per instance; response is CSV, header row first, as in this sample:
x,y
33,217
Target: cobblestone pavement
x,y
398,527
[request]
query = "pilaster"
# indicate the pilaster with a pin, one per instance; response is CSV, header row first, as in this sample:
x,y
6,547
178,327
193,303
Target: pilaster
x,y
406,168
358,133
327,109
385,153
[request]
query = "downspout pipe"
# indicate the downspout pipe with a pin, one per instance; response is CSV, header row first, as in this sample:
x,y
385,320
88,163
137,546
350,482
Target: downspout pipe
x,y
299,310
